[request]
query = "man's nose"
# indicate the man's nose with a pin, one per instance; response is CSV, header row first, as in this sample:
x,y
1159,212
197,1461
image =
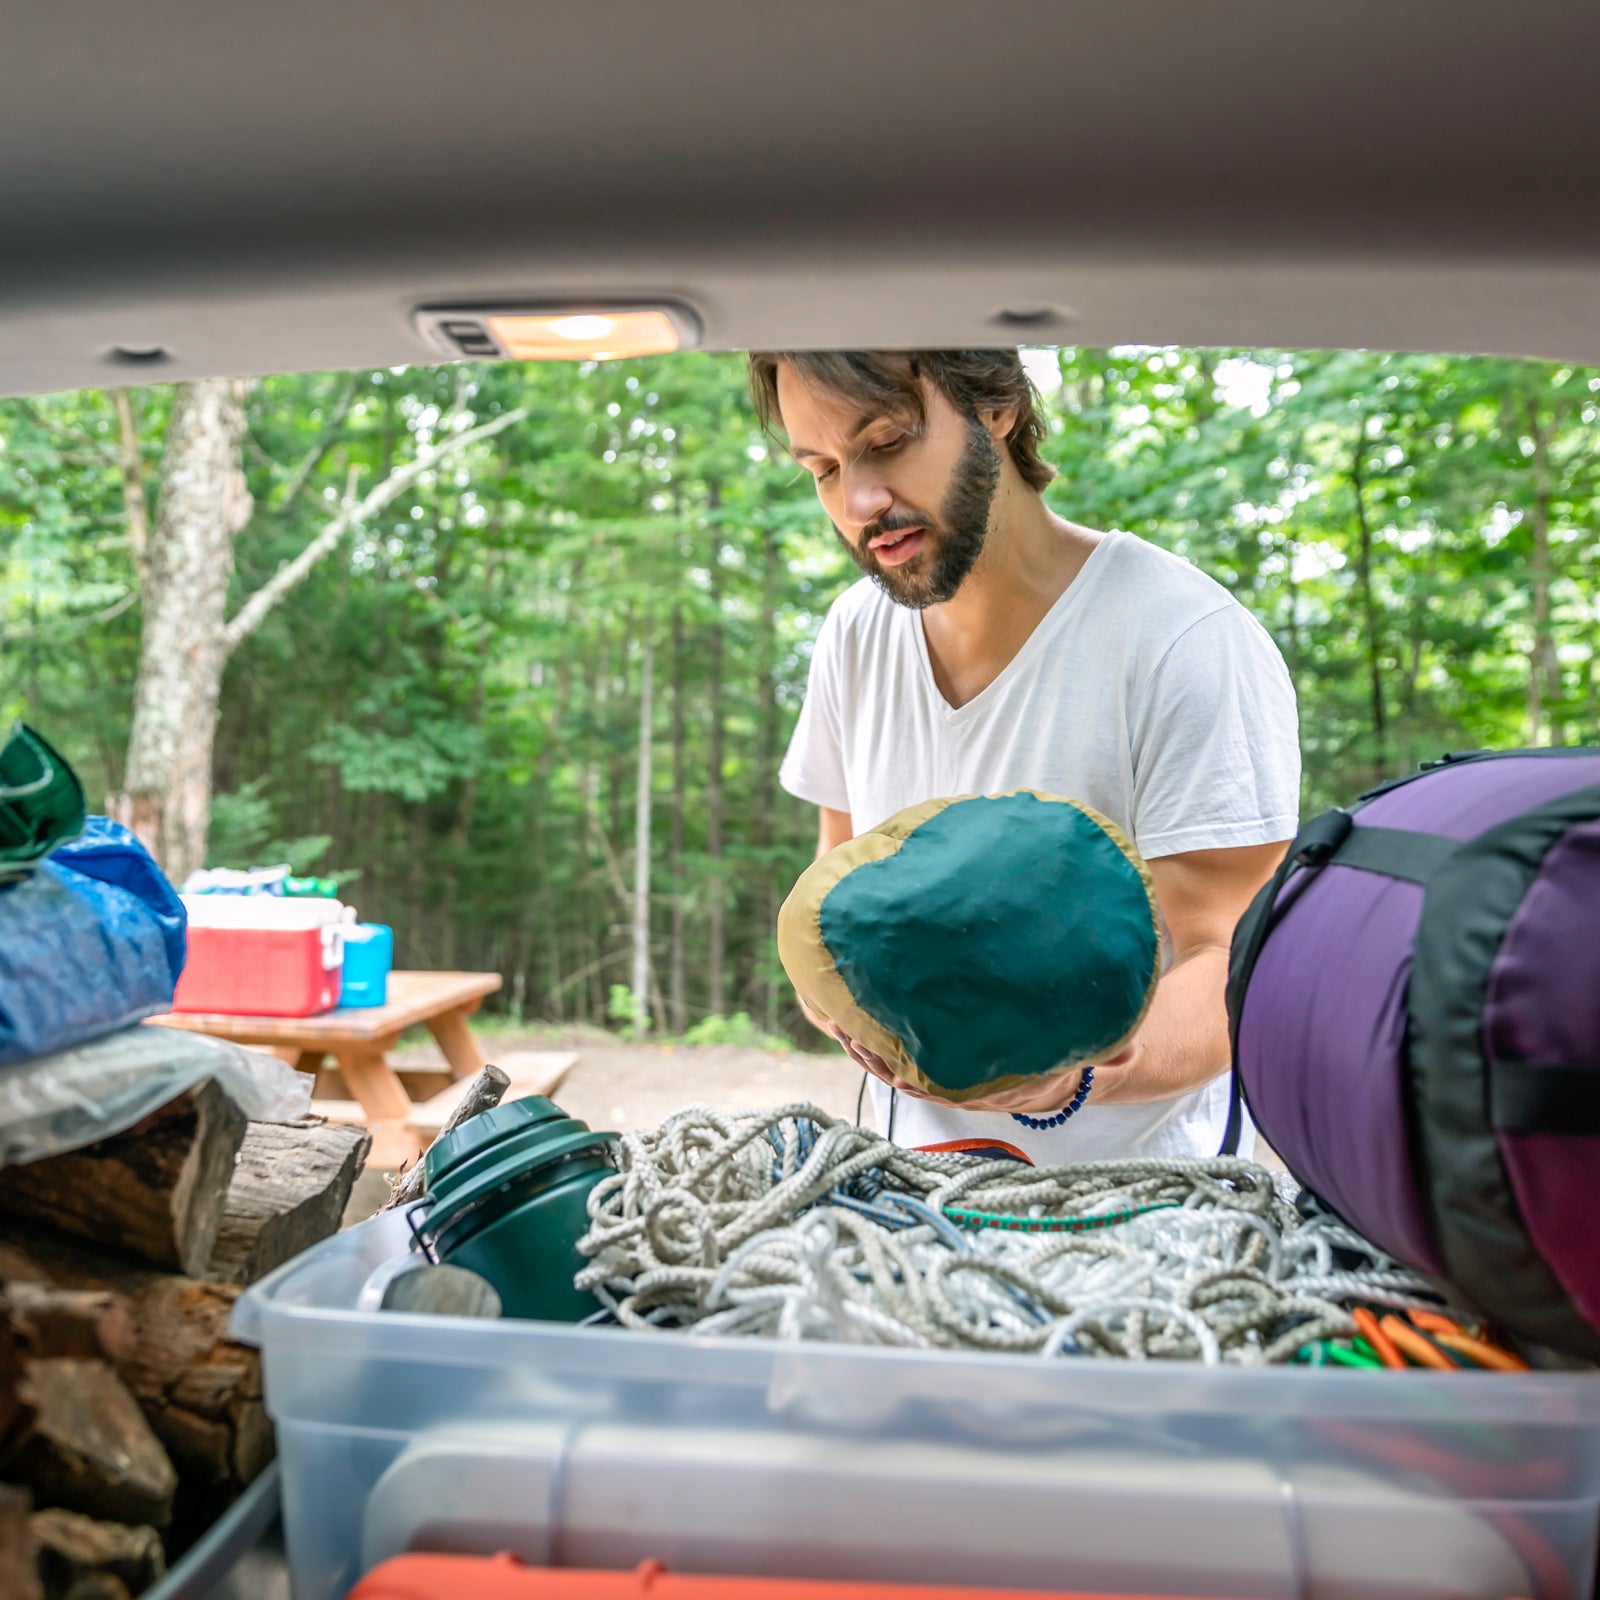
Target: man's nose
x,y
866,496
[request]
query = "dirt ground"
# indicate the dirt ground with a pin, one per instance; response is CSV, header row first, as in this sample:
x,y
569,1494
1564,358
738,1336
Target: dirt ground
x,y
616,1085
620,1085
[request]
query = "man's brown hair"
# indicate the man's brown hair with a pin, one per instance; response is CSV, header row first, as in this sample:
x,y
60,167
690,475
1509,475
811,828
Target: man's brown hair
x,y
888,382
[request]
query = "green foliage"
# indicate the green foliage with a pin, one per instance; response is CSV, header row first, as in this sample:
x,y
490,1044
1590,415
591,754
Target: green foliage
x,y
736,1030
241,829
449,706
624,1007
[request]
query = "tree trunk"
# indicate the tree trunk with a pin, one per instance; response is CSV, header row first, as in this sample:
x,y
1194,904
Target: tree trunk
x,y
183,647
614,674
761,824
641,840
677,1001
716,938
1544,664
187,636
1296,650
135,506
1369,610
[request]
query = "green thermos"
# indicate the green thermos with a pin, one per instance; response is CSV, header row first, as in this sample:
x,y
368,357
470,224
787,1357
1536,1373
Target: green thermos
x,y
509,1189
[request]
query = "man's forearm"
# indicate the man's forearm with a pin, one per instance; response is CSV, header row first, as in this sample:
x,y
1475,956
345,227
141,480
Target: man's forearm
x,y
1183,1041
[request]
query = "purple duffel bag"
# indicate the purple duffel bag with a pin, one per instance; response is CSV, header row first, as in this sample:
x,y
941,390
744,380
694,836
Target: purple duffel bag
x,y
1415,1009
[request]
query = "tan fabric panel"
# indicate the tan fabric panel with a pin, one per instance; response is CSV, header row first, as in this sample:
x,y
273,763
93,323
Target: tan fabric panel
x,y
811,967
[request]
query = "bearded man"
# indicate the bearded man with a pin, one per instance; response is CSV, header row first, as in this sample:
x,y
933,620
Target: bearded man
x,y
993,645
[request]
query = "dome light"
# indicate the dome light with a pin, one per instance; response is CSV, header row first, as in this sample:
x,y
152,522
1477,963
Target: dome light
x,y
558,333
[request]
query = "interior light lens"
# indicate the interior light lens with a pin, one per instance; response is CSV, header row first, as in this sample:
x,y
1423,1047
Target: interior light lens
x,y
586,328
584,336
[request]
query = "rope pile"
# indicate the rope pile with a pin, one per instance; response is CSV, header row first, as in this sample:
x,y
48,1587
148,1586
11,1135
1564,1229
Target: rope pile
x,y
792,1224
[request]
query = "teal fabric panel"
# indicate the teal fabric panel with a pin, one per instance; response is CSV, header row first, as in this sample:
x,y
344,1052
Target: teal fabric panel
x,y
1007,935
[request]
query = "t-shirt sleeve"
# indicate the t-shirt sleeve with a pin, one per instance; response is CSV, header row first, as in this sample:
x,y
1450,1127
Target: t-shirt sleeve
x,y
1216,741
813,769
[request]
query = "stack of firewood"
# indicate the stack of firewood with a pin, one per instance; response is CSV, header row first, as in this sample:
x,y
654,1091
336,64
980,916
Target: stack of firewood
x,y
129,1420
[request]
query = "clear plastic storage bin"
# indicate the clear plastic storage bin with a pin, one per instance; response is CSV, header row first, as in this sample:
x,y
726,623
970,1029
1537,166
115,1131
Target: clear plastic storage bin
x,y
600,1448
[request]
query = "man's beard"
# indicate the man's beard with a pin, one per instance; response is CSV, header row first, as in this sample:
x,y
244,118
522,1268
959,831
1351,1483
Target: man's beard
x,y
957,537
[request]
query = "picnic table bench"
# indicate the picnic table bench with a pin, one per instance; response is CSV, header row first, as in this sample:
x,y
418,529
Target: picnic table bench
x,y
360,1040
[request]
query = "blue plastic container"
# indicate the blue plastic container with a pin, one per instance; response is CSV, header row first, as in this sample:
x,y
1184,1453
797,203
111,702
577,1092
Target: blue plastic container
x,y
368,956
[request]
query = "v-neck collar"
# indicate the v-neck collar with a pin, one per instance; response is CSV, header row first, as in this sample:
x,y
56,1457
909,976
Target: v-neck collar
x,y
1064,602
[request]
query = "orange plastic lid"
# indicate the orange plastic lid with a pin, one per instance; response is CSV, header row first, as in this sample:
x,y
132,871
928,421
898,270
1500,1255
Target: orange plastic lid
x,y
430,1577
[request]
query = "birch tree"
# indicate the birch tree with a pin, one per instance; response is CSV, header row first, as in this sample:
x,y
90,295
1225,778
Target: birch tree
x,y
187,639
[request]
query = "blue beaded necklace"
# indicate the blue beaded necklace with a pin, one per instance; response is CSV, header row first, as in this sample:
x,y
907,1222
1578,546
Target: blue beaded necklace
x,y
1066,1111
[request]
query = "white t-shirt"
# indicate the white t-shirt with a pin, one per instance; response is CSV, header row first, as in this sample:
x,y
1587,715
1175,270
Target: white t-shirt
x,y
1147,692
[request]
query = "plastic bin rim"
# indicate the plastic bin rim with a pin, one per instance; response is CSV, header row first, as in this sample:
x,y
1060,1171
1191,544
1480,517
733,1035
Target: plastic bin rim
x,y
261,1317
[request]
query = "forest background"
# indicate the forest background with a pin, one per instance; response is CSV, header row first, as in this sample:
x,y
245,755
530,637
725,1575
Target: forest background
x,y
440,632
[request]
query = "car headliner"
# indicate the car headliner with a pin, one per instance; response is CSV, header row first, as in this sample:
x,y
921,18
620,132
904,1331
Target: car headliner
x,y
273,187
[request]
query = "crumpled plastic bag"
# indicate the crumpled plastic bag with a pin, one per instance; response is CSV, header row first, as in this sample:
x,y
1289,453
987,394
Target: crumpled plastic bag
x,y
75,1097
92,939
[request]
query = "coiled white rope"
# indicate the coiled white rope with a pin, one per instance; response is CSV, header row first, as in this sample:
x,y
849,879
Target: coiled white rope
x,y
792,1224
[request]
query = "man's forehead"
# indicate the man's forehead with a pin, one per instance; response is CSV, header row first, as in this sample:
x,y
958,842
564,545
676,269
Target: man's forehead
x,y
810,410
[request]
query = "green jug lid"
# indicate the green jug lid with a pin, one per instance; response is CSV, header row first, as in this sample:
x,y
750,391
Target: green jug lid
x,y
501,1145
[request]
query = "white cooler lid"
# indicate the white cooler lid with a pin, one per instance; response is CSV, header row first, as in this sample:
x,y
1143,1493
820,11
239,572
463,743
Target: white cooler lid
x,y
273,912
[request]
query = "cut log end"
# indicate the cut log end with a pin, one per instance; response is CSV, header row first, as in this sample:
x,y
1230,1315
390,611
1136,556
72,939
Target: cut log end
x,y
156,1192
75,1548
90,1448
89,1325
289,1190
19,1563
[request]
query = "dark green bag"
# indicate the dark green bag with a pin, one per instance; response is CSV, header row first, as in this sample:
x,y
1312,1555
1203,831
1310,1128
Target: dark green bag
x,y
41,801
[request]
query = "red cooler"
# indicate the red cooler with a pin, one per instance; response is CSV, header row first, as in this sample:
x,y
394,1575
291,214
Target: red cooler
x,y
260,956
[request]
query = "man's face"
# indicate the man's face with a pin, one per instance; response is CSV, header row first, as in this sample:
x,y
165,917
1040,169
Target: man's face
x,y
910,501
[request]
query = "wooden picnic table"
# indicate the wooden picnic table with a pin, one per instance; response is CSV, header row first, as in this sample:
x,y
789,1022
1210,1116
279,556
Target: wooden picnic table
x,y
360,1040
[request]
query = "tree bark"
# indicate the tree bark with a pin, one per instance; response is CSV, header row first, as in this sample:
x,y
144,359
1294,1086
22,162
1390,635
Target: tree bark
x,y
641,837
16,1415
83,1324
136,507
289,1190
1544,664
716,937
1369,610
167,799
199,1390
484,1093
74,1548
761,827
156,1192
19,1554
678,1008
91,1449
1296,651
187,637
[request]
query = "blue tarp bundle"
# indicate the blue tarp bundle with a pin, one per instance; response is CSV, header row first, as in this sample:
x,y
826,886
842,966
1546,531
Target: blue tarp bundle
x,y
90,941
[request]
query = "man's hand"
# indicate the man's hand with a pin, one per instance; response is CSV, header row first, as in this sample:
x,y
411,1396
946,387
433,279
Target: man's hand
x,y
1183,1041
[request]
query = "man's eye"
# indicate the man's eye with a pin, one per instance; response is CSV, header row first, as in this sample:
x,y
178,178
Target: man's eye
x,y
832,472
886,446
